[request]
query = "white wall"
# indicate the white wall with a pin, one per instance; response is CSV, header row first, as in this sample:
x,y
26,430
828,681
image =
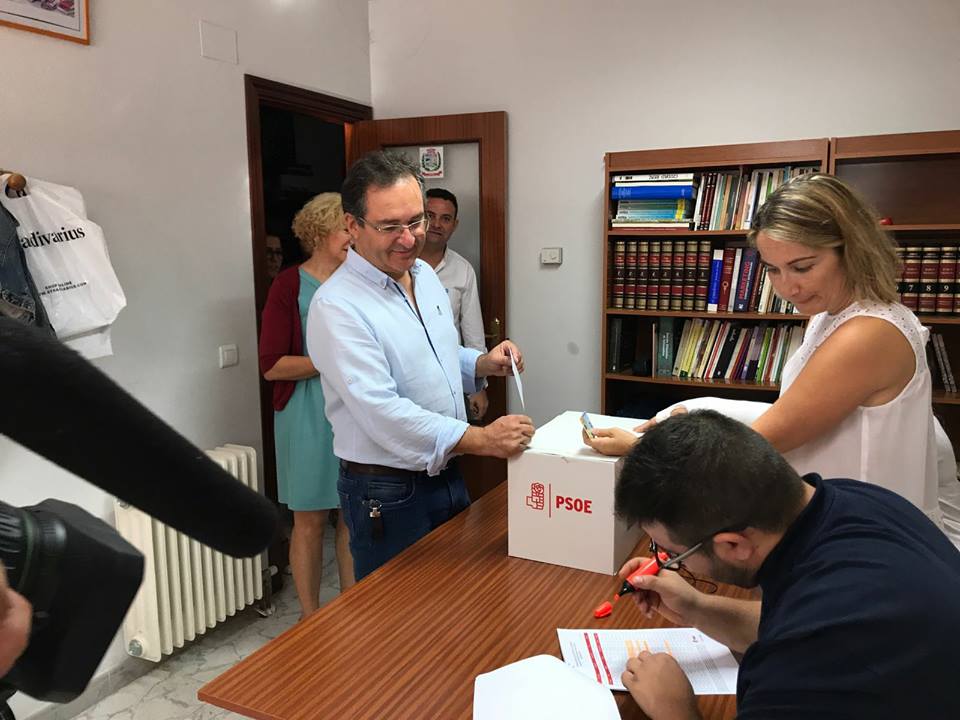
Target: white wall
x,y
155,138
579,79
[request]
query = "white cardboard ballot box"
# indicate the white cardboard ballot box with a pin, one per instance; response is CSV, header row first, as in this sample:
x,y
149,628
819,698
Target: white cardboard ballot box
x,y
560,499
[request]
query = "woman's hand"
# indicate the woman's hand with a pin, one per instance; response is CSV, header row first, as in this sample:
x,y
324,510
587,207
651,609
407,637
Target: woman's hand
x,y
610,441
643,427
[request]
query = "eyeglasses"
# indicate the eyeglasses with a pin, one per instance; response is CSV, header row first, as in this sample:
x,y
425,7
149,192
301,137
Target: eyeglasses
x,y
395,230
674,560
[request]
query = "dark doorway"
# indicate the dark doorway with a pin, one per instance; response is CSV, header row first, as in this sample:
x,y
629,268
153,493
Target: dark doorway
x,y
302,156
296,148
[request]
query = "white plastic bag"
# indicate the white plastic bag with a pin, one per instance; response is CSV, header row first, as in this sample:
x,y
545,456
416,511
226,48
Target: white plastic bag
x,y
66,256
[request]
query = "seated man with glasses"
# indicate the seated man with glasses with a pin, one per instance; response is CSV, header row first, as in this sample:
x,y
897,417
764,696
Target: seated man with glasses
x,y
381,333
860,608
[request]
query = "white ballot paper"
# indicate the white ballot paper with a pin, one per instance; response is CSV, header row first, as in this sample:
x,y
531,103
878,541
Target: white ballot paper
x,y
602,655
516,376
540,688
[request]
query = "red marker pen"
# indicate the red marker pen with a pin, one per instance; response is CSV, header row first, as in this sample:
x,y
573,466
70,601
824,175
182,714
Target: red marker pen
x,y
650,567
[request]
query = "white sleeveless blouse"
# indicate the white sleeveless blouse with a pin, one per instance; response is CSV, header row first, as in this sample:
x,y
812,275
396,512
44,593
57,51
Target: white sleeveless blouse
x,y
891,445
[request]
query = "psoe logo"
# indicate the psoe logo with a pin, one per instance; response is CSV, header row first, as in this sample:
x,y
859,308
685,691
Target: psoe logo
x,y
536,498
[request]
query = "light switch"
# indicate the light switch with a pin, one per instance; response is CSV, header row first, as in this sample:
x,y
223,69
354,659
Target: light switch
x,y
229,356
551,256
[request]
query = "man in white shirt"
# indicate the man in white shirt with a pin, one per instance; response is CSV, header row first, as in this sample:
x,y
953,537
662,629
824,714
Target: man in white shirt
x,y
458,278
380,331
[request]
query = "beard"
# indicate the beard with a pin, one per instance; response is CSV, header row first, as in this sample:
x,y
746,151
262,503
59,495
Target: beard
x,y
732,575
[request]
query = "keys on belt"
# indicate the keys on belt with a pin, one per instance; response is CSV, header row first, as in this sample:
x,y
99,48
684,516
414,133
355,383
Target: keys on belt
x,y
376,519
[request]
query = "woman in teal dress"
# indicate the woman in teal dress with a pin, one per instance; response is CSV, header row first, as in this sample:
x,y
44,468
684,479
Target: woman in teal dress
x,y
306,466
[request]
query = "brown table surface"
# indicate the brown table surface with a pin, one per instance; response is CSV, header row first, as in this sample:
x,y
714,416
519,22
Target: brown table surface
x,y
408,641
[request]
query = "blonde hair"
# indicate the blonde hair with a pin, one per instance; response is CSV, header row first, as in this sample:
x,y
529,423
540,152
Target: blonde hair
x,y
321,216
821,211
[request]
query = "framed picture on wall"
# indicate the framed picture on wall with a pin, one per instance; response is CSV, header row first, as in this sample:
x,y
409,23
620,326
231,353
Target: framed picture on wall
x,y
67,19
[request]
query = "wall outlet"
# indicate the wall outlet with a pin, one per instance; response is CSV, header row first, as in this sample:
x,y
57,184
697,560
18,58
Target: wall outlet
x,y
551,256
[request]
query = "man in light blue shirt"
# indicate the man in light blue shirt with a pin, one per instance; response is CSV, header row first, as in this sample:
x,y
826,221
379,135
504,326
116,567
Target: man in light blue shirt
x,y
381,333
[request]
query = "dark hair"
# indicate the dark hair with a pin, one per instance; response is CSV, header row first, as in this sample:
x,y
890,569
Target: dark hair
x,y
378,169
442,194
699,473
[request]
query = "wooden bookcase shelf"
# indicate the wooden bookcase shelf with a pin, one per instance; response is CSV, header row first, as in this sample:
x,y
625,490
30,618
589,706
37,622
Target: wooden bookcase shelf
x,y
773,317
621,388
912,178
690,382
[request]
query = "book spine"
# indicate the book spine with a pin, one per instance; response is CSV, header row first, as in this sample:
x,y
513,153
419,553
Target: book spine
x,y
734,279
764,349
713,289
613,344
937,370
666,274
652,192
702,277
699,205
929,273
653,177
630,276
726,277
759,275
664,346
619,274
653,276
949,382
901,258
911,277
678,275
643,273
745,285
711,181
690,277
946,282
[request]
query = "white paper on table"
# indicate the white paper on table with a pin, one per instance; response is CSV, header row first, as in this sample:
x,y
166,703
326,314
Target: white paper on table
x,y
516,376
602,656
540,688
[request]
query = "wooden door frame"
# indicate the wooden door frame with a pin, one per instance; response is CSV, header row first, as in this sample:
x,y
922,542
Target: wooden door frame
x,y
489,131
260,92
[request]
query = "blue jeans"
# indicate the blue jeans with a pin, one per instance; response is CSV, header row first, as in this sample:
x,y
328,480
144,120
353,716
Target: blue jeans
x,y
410,506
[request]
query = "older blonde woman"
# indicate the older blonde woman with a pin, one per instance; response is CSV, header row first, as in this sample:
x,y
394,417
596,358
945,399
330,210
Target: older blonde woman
x,y
855,398
307,469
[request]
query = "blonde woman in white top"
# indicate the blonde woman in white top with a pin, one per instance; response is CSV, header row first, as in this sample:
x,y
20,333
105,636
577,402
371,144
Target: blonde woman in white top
x,y
855,398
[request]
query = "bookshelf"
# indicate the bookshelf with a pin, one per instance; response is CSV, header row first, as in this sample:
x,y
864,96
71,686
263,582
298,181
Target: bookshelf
x,y
911,178
626,387
914,179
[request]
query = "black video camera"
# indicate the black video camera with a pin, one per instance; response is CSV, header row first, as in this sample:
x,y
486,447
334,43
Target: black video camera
x,y
80,576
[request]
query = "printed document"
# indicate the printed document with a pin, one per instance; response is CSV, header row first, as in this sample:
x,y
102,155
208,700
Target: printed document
x,y
603,654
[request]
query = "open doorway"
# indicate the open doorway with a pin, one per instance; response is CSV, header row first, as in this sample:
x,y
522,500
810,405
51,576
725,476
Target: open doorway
x,y
297,144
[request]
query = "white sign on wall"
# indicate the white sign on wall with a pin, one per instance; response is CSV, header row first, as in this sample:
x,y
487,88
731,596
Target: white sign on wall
x,y
431,161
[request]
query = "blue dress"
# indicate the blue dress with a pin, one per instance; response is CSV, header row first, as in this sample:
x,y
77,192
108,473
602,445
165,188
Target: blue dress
x,y
307,469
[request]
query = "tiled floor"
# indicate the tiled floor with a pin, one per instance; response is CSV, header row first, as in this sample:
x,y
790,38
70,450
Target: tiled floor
x,y
169,692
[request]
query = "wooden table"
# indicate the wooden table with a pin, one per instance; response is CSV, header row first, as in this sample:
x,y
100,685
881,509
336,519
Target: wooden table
x,y
408,641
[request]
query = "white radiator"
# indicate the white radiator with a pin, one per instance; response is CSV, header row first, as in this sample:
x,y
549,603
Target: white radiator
x,y
187,587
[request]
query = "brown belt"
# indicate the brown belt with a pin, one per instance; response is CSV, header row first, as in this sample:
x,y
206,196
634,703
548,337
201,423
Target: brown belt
x,y
363,469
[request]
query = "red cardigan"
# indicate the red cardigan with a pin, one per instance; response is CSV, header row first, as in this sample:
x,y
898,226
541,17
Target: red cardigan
x,y
280,330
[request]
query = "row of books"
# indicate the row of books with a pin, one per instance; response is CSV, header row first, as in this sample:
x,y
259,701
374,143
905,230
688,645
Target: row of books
x,y
941,371
723,200
928,281
690,276
723,349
